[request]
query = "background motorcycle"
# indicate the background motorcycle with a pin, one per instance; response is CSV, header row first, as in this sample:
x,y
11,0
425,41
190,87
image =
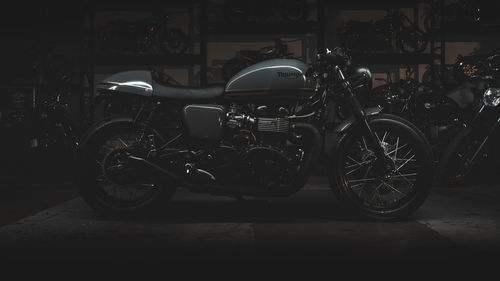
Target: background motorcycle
x,y
150,35
395,97
395,29
474,143
423,104
261,135
246,58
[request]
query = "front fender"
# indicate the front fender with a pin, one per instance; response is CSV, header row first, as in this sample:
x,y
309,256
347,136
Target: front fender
x,y
346,124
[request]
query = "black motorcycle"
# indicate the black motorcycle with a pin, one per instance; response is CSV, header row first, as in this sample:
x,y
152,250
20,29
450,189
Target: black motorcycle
x,y
395,29
395,97
438,116
51,127
246,58
474,143
260,135
150,35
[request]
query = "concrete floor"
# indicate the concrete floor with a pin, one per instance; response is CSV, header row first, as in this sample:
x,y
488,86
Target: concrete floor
x,y
454,225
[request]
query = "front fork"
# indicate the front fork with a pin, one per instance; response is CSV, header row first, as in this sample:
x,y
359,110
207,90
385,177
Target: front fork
x,y
360,116
485,140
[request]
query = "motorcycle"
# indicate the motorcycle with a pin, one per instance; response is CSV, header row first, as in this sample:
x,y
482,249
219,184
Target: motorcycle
x,y
150,35
438,116
380,35
396,97
260,135
51,127
458,97
473,143
246,58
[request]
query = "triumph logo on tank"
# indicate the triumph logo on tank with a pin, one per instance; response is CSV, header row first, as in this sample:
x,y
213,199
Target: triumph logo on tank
x,y
289,75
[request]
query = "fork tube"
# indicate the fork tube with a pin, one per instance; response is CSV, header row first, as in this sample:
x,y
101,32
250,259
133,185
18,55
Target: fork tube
x,y
360,115
492,129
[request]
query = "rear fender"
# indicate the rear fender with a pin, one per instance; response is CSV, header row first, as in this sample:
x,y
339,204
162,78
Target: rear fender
x,y
137,82
99,126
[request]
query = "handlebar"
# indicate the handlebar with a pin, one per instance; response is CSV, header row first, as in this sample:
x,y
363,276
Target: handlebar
x,y
338,56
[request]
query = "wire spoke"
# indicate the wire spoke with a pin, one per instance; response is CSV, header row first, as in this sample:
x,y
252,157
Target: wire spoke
x,y
354,170
401,147
364,142
124,143
358,164
375,192
401,176
361,180
408,153
385,135
396,150
352,159
409,160
406,162
393,188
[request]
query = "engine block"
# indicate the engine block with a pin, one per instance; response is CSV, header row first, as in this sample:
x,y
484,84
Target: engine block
x,y
275,125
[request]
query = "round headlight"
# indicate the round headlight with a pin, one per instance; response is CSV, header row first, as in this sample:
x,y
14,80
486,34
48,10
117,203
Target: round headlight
x,y
491,97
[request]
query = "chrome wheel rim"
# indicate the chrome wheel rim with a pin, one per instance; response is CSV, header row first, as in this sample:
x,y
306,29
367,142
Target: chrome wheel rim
x,y
377,190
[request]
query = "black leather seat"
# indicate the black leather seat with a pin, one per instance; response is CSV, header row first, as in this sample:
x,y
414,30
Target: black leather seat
x,y
185,93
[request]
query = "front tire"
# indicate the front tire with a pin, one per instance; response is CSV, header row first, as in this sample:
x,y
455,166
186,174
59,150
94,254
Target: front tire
x,y
378,193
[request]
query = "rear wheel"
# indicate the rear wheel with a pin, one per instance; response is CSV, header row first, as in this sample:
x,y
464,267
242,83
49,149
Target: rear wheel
x,y
110,183
378,192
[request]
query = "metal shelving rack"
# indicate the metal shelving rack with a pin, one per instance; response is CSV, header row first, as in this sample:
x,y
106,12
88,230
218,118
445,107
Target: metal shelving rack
x,y
245,32
397,59
94,59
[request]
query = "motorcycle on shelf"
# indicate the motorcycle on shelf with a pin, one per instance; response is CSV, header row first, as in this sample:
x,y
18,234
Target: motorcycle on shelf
x,y
260,135
246,58
395,29
150,35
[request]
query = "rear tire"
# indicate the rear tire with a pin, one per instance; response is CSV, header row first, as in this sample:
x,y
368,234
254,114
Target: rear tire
x,y
107,197
409,183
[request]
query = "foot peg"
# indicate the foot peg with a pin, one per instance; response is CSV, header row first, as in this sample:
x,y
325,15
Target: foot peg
x,y
198,176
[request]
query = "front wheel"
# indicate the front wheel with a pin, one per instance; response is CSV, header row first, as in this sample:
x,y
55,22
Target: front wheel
x,y
376,192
